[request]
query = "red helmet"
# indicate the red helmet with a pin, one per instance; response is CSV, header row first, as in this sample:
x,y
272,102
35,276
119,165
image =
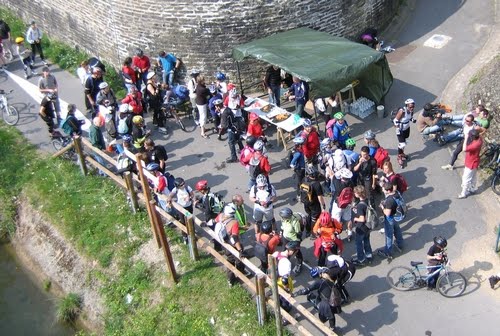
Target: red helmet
x,y
201,185
325,218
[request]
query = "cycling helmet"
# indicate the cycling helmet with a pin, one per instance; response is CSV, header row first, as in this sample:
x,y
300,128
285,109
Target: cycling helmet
x,y
127,138
334,260
220,76
338,115
218,102
440,241
258,145
19,39
253,116
325,218
298,140
369,135
137,120
51,96
124,108
212,88
179,181
201,185
261,180
103,85
139,52
316,271
153,166
230,86
345,173
233,93
266,227
286,213
311,171
250,141
292,245
350,143
229,210
409,101
307,123
428,107
150,75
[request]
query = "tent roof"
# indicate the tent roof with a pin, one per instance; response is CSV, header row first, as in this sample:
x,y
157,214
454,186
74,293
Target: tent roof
x,y
327,62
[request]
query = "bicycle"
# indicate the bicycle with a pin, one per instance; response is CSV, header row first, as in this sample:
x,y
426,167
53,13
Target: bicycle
x,y
449,284
9,112
489,157
495,182
59,142
171,109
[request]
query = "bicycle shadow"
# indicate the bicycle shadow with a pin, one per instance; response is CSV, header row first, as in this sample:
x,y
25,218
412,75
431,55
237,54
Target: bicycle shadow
x,y
474,279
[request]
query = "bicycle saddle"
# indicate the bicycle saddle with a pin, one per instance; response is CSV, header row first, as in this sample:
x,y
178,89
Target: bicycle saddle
x,y
416,263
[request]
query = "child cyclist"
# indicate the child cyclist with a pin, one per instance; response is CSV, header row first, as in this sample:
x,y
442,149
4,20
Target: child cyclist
x,y
435,257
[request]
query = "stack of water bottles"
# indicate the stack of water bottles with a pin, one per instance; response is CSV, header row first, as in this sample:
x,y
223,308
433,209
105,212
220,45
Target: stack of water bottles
x,y
362,107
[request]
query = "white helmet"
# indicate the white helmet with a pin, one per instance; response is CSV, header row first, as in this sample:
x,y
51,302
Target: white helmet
x,y
124,108
261,180
229,210
409,101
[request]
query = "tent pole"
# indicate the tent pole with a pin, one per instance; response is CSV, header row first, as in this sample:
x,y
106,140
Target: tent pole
x,y
239,76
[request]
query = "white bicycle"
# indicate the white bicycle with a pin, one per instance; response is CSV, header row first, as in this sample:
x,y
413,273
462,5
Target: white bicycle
x,y
9,112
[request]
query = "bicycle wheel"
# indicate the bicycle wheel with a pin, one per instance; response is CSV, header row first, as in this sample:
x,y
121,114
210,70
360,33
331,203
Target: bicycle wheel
x,y
401,278
451,284
57,143
495,183
10,115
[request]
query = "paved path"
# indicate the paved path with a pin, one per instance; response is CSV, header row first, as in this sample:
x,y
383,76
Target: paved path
x,y
421,73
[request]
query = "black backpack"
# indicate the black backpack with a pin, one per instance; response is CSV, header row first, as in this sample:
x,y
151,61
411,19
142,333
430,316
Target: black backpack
x,y
261,248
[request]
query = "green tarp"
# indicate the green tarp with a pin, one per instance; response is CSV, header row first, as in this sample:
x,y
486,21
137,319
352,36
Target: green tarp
x,y
326,62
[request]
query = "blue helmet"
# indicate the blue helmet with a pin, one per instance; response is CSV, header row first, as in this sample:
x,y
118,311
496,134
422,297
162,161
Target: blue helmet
x,y
220,76
314,272
127,138
153,166
307,123
298,140
212,88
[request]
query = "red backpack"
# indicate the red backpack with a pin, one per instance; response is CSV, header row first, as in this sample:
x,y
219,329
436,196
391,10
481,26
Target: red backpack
x,y
400,181
381,155
345,197
246,156
329,127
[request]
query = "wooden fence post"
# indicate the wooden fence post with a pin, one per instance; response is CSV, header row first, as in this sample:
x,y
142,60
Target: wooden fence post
x,y
193,248
77,141
260,283
131,191
164,244
147,195
276,296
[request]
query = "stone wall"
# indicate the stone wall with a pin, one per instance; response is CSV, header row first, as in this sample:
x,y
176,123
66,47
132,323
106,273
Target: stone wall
x,y
201,32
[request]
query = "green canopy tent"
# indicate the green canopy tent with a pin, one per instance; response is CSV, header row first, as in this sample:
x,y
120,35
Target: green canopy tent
x,y
328,63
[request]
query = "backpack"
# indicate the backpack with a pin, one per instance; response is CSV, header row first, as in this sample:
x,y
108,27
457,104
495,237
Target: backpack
x,y
111,128
123,162
261,249
381,156
218,203
335,297
254,170
329,127
306,194
244,158
65,126
372,219
182,92
221,230
122,126
401,183
400,209
345,197
170,181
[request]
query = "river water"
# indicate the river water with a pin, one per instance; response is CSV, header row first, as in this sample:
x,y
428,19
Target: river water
x,y
25,308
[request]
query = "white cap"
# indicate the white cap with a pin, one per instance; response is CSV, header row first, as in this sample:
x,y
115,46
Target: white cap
x,y
103,85
332,258
150,75
124,108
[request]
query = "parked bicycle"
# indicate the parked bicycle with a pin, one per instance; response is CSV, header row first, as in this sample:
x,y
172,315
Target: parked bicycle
x,y
61,141
9,112
449,284
495,182
172,109
489,158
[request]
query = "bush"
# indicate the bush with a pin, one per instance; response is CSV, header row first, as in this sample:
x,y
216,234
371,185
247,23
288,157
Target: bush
x,y
68,308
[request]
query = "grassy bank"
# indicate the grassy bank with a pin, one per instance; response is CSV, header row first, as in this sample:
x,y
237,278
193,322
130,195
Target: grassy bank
x,y
91,212
66,57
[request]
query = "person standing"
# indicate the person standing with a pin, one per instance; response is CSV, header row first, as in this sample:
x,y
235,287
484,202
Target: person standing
x,y
154,102
391,227
92,89
48,84
311,145
5,37
169,63
272,81
358,220
25,57
141,65
83,72
34,38
234,125
402,124
311,195
299,92
129,75
367,173
471,146
47,113
201,100
240,215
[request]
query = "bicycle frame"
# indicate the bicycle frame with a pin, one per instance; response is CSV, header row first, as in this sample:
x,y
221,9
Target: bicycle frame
x,y
426,277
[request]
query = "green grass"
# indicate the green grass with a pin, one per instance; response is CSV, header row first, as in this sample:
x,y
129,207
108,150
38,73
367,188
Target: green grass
x,y
47,284
68,58
68,308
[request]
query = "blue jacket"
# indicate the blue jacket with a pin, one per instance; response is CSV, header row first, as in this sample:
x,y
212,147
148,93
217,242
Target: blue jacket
x,y
300,91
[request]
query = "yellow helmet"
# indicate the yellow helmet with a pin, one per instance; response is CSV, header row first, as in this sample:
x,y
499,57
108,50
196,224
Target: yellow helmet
x,y
137,120
19,39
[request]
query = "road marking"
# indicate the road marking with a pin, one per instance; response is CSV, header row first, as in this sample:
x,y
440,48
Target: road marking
x,y
437,41
32,90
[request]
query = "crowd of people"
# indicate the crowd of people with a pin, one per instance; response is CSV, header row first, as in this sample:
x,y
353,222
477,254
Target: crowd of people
x,y
340,188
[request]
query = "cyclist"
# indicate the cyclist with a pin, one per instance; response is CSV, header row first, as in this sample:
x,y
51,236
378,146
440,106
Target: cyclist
x,y
75,125
25,57
435,257
47,113
139,132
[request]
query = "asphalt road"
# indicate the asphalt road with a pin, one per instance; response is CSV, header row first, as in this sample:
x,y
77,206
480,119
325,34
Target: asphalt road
x,y
420,72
